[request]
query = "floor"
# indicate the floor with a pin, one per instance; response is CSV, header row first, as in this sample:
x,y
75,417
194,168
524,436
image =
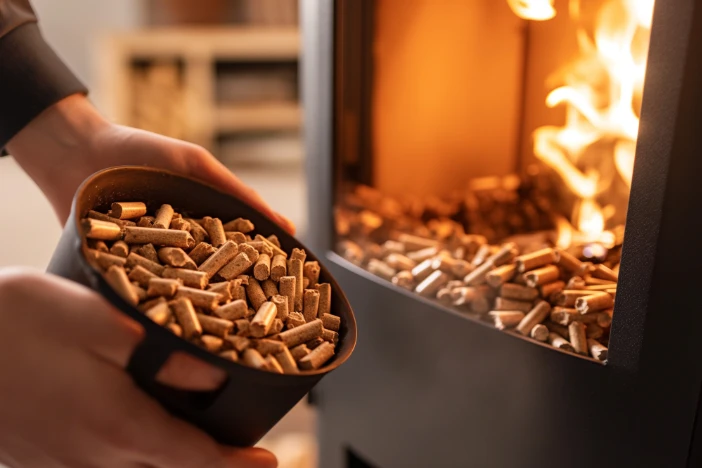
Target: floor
x,y
31,232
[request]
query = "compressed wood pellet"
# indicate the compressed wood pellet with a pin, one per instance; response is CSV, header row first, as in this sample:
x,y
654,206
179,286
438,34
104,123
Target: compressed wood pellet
x,y
238,237
117,278
163,237
240,224
144,306
263,320
421,255
238,343
281,305
564,315
518,292
270,288
310,304
541,276
262,268
413,243
313,343
164,216
536,259
267,346
300,351
298,254
148,251
330,335
215,326
211,343
402,279
331,322
277,327
250,252
262,247
187,318
278,267
224,289
205,299
557,329
242,327
602,272
287,288
238,288
594,331
221,257
230,355
105,260
215,230
176,257
145,221
535,316
500,275
287,361
141,275
120,248
160,313
234,310
101,246
295,269
180,224
311,271
557,341
604,318
174,328
103,217
549,289
198,232
597,350
190,278
236,267
510,304
568,297
134,260
202,252
318,356
141,292
273,365
255,293
570,263
103,230
253,358
302,334
432,283
594,302
127,210
539,332
165,287
275,248
578,339
506,319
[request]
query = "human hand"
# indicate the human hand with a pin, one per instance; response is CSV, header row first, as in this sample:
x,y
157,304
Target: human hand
x,y
65,399
71,140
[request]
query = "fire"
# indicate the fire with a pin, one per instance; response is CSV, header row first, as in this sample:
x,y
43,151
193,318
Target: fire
x,y
601,92
538,10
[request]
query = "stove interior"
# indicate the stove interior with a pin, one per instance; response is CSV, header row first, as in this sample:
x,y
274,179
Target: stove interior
x,y
484,155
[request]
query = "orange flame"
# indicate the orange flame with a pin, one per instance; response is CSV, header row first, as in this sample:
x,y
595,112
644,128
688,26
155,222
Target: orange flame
x,y
601,105
537,10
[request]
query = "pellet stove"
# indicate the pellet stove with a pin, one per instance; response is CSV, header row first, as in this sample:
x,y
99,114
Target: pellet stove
x,y
508,121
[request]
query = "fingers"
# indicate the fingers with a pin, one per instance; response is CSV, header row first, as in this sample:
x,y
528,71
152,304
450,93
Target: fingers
x,y
213,171
186,372
173,443
74,314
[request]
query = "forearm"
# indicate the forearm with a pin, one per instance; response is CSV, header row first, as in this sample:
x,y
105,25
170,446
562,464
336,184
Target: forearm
x,y
32,77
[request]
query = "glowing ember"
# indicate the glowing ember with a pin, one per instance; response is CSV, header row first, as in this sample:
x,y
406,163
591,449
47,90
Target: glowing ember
x,y
538,10
601,93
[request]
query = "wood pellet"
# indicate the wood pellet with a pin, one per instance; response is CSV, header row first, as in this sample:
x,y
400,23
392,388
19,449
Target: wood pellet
x,y
218,284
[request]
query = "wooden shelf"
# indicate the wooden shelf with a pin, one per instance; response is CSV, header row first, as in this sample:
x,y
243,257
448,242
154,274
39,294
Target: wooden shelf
x,y
257,117
235,43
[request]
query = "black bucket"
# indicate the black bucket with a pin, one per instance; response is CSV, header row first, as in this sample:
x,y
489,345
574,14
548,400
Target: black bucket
x,y
251,401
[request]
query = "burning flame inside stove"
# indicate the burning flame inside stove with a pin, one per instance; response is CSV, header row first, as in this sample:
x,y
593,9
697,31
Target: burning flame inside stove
x,y
601,93
538,10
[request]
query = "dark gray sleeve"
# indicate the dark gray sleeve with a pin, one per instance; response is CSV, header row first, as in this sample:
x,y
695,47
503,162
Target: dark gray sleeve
x,y
32,77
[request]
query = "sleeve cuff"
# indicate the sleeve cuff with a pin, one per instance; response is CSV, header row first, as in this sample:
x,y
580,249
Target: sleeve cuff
x,y
32,78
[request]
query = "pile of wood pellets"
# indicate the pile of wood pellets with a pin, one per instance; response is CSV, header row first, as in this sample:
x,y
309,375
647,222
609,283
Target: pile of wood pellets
x,y
218,285
548,295
454,250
